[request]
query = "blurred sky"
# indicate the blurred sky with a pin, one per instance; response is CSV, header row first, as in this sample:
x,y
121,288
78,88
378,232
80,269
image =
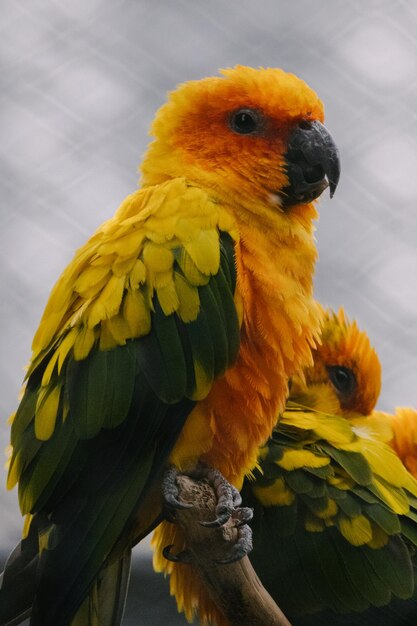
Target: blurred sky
x,y
80,82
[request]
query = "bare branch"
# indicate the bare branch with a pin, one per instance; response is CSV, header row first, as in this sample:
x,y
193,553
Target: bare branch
x,y
235,588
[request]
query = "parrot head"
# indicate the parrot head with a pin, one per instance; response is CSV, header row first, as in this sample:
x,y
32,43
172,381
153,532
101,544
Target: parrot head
x,y
249,135
345,366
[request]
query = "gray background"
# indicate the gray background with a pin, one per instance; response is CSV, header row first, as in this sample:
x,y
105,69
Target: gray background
x,y
80,82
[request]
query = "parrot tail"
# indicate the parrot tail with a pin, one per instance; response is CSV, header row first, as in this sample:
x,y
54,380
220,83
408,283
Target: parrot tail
x,y
18,580
104,605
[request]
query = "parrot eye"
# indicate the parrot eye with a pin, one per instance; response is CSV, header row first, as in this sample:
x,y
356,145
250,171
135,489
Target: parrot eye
x,y
245,121
342,378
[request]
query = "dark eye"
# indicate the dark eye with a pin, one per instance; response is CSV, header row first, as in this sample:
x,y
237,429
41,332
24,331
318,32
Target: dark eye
x,y
343,379
245,121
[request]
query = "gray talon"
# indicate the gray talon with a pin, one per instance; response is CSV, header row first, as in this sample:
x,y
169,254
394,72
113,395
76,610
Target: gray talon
x,y
241,548
223,516
170,490
182,557
243,515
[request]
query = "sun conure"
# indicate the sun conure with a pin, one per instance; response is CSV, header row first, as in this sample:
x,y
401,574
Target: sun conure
x,y
170,337
335,510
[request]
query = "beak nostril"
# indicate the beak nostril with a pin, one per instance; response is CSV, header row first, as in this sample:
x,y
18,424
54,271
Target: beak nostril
x,y
304,125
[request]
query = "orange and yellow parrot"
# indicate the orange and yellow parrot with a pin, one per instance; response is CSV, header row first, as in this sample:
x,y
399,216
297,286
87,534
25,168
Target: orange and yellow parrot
x,y
169,339
334,508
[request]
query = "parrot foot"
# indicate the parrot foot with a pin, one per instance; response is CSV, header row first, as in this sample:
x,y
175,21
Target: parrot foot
x,y
227,508
182,557
170,493
241,548
228,497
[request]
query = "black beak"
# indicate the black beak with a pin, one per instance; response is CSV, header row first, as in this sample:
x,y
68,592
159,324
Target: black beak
x,y
312,164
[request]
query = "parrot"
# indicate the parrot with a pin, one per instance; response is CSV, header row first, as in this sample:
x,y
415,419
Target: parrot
x,y
335,510
167,343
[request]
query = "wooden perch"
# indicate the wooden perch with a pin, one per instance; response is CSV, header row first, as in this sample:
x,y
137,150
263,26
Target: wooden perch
x,y
235,587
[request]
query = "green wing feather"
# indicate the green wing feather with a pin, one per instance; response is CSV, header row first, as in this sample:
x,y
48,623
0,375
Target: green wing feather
x,y
329,520
136,331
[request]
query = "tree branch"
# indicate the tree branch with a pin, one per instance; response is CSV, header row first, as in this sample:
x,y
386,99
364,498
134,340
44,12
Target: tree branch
x,y
235,588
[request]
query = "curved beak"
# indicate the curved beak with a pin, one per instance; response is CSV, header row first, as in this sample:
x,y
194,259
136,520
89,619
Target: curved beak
x,y
312,164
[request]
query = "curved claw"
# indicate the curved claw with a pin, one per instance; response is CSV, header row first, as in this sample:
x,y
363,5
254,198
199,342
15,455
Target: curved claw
x,y
170,490
223,516
182,557
242,515
174,503
241,548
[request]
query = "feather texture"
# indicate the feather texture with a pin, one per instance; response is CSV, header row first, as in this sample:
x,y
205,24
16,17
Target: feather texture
x,y
334,507
170,337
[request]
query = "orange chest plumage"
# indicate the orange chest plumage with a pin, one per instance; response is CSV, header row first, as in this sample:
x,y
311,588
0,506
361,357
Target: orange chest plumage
x,y
279,321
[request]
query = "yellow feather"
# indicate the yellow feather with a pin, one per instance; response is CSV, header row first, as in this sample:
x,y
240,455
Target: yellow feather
x,y
119,328
202,382
65,346
344,483
107,341
106,260
195,429
138,274
157,258
332,428
14,471
330,511
276,494
126,246
46,412
84,342
161,229
79,315
108,302
161,279
91,277
189,300
121,267
26,525
204,250
46,378
313,524
385,462
356,530
136,314
185,229
168,298
190,270
395,498
294,459
45,332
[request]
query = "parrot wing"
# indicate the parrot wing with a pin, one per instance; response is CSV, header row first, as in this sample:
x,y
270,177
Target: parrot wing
x,y
398,613
135,332
335,513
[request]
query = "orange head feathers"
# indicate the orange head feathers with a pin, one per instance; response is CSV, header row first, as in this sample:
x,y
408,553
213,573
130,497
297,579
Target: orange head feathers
x,y
346,364
230,133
